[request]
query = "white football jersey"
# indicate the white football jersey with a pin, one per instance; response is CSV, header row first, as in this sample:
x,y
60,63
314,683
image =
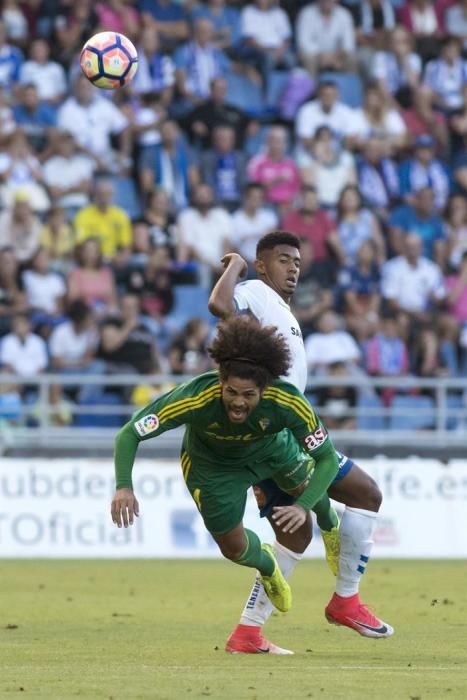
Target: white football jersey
x,y
271,310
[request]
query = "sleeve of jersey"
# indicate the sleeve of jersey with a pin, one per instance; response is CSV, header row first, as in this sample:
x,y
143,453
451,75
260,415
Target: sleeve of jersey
x,y
310,432
250,297
165,413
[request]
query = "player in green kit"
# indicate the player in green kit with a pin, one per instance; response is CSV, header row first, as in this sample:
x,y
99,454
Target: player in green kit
x,y
242,425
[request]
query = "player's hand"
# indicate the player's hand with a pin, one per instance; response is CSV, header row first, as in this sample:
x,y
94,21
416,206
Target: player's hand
x,y
124,507
289,518
235,259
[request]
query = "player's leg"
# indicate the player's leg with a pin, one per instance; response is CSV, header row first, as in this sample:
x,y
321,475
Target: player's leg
x,y
362,498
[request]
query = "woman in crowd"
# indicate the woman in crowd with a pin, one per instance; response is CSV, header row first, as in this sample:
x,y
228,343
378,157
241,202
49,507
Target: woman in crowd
x,y
91,280
356,224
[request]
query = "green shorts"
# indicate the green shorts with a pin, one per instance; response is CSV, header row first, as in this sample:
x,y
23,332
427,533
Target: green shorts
x,y
220,491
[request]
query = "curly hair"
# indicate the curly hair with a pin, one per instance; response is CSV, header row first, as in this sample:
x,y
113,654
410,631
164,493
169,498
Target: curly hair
x,y
245,349
275,238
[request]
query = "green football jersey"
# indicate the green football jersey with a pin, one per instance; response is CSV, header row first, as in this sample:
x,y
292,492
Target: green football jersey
x,y
211,438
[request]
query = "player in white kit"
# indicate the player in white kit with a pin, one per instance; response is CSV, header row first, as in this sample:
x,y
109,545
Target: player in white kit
x,y
267,298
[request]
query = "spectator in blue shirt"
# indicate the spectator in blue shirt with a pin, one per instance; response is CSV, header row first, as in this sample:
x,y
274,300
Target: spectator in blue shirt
x,y
446,76
378,178
421,218
168,18
35,117
424,170
11,60
225,21
223,168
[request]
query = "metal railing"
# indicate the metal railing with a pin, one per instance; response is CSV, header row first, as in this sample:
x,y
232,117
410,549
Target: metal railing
x,y
432,413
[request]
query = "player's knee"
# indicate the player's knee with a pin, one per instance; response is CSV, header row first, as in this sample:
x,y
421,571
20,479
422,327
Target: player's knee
x,y
374,496
231,550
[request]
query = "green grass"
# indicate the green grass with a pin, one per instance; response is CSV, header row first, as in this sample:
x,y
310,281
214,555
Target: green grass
x,y
156,629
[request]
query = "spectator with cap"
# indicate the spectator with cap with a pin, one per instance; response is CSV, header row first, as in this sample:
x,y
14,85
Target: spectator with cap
x,y
223,167
421,218
325,37
446,77
251,222
105,221
424,170
20,229
47,76
378,177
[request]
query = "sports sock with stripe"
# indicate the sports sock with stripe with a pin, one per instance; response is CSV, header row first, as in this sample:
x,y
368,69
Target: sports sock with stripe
x,y
258,607
356,539
255,557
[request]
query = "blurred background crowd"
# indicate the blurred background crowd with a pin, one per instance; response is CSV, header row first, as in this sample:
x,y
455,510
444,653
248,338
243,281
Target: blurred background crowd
x,y
343,122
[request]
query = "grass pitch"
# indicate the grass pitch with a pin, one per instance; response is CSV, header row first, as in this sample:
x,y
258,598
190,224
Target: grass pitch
x,y
156,629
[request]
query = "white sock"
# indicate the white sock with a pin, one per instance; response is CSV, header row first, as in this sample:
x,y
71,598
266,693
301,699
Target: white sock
x,y
258,607
356,537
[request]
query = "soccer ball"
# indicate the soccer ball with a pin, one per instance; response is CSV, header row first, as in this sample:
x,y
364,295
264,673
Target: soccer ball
x,y
109,60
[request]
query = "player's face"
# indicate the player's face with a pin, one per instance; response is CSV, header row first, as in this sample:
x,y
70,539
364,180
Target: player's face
x,y
240,398
279,268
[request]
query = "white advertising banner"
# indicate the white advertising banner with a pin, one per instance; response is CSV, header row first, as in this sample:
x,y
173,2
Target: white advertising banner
x,y
61,508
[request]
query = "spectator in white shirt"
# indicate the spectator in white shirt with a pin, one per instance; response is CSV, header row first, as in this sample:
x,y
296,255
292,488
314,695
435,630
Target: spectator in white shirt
x,y
330,344
21,351
45,290
48,76
93,120
326,37
20,229
251,222
68,175
381,120
412,283
205,233
456,20
326,110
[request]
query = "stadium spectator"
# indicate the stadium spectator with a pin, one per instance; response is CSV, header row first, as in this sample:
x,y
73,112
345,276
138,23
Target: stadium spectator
x,y
455,222
169,166
7,121
68,175
156,70
378,178
275,171
36,118
58,238
15,15
326,110
399,67
199,62
94,121
380,119
205,232
327,166
168,18
11,59
105,221
330,344
356,224
412,283
20,170
446,77
337,403
187,353
456,20
45,291
251,222
424,170
71,27
152,283
212,112
315,225
325,37
421,118
118,16
374,20
386,353
20,228
265,37
359,288
314,291
126,345
47,76
146,116
225,20
12,296
421,218
423,19
91,281
223,167
456,287
21,350
161,220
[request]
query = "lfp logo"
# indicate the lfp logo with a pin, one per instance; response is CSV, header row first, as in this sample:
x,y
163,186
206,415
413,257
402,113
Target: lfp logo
x,y
147,424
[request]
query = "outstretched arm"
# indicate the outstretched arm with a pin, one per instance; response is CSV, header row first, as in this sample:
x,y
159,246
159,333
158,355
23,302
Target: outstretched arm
x,y
124,504
221,302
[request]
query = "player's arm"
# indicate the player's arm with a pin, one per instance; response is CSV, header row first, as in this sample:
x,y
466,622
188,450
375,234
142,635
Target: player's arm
x,y
221,301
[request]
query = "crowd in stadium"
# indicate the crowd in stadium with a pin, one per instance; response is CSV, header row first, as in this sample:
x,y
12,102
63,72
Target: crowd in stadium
x,y
345,123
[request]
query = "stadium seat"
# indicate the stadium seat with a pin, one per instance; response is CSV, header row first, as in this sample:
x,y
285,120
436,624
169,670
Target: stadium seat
x,y
90,420
419,413
191,301
349,86
244,94
455,402
365,419
126,196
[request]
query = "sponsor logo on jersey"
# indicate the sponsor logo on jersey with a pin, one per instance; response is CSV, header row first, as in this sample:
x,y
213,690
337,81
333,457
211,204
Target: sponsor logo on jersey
x,y
264,423
231,438
316,439
296,331
147,424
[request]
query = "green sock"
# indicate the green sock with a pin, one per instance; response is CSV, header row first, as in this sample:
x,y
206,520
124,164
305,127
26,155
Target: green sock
x,y
255,557
325,514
